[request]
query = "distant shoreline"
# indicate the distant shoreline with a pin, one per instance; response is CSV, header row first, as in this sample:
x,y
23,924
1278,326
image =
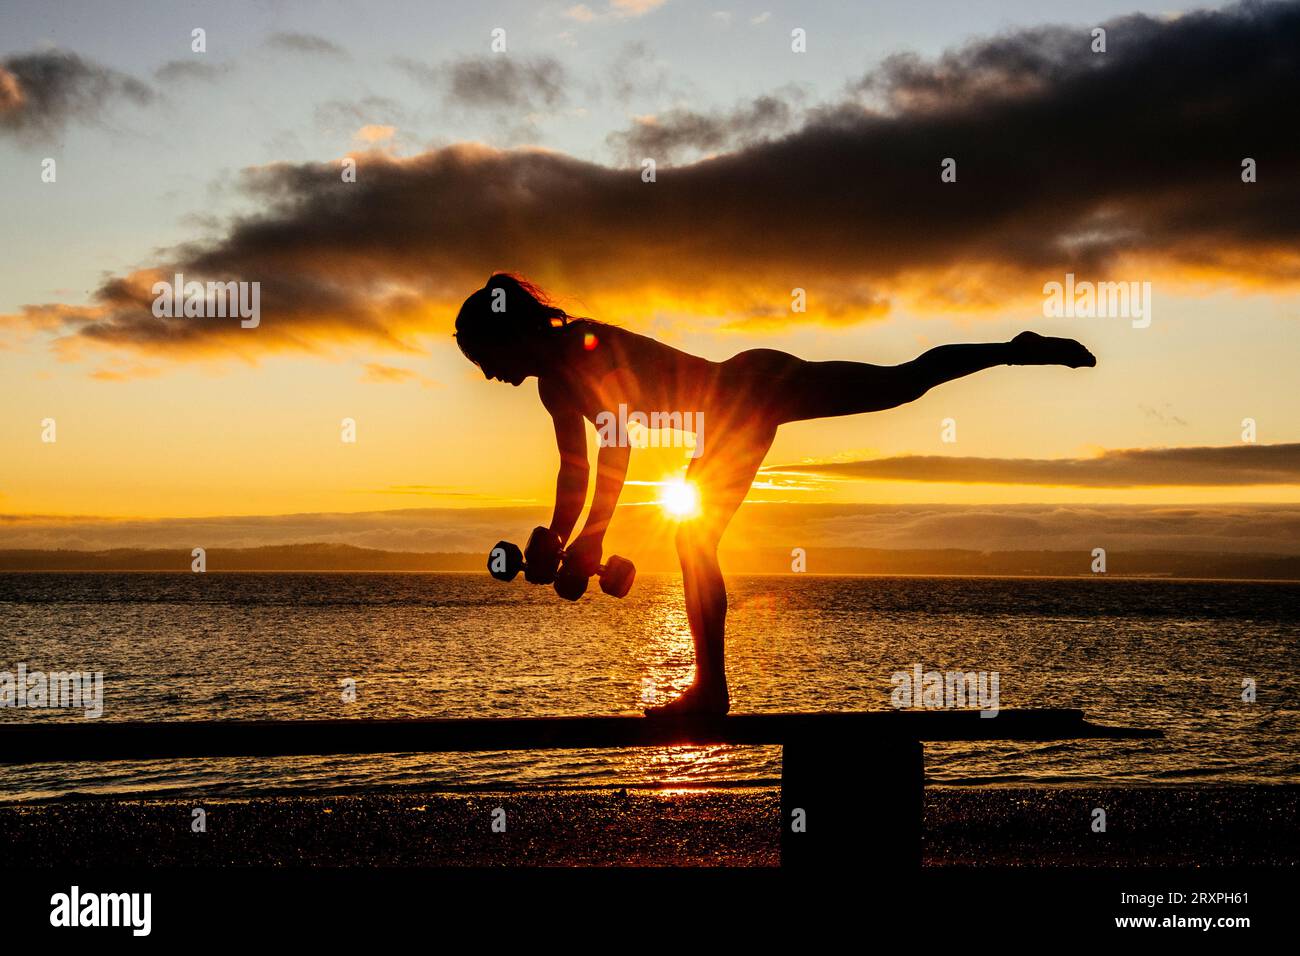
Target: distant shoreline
x,y
877,562
754,574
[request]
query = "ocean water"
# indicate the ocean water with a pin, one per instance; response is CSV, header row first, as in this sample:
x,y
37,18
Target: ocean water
x,y
1171,655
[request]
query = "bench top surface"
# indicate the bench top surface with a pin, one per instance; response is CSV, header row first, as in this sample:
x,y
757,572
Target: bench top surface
x,y
81,739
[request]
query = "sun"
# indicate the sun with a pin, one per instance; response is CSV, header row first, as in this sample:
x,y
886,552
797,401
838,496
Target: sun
x,y
680,498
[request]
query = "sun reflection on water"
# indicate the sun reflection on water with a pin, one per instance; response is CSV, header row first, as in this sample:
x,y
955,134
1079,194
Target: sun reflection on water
x,y
668,661
686,763
668,666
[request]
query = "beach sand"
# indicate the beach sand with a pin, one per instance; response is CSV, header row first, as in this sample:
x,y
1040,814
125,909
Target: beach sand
x,y
1029,827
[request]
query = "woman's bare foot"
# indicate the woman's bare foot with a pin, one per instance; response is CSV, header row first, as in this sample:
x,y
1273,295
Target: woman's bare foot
x,y
695,700
1030,348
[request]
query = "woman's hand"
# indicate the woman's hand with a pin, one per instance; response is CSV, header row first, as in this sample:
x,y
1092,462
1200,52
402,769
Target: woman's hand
x,y
582,556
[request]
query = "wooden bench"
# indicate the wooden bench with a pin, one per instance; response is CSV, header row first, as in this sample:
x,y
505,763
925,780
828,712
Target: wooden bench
x,y
852,783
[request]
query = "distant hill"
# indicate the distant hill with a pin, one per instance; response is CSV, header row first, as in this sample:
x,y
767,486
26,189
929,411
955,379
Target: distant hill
x,y
290,557
338,557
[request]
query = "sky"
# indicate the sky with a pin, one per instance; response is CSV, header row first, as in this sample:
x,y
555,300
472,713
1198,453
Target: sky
x,y
775,170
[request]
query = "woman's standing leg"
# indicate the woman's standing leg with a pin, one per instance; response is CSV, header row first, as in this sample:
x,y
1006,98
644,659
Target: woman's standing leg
x,y
722,475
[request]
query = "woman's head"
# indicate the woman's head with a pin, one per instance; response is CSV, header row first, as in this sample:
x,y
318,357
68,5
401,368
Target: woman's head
x,y
504,328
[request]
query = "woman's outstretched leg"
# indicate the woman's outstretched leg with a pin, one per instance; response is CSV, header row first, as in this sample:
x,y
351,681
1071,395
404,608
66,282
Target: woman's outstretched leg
x,y
947,362
796,390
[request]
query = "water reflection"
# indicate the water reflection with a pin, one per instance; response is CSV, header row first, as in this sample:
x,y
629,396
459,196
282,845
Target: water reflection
x,y
668,659
1164,654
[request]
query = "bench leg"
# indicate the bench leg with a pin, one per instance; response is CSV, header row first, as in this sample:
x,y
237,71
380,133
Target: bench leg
x,y
843,807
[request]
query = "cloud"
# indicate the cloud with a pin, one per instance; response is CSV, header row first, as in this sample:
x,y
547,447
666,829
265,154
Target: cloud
x,y
1234,465
1120,164
847,308
368,110
122,370
41,92
617,9
307,43
1258,529
1162,415
665,136
634,8
581,12
174,71
495,81
426,491
636,72
374,134
377,373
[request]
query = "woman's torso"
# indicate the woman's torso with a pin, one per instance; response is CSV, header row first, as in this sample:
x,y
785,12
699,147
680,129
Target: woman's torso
x,y
605,366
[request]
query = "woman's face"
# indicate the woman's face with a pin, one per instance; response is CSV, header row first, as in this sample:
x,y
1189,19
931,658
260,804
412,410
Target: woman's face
x,y
504,366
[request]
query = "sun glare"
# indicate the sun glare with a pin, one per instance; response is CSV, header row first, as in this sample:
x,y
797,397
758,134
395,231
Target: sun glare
x,y
681,499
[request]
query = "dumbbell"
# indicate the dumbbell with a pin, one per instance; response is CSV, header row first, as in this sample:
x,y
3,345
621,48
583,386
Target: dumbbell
x,y
616,577
505,561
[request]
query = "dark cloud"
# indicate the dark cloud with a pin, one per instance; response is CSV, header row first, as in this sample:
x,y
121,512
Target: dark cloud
x,y
41,92
1244,464
307,43
1067,161
665,136
1022,65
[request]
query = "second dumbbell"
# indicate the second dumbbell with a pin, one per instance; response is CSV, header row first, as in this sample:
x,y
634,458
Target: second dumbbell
x,y
544,566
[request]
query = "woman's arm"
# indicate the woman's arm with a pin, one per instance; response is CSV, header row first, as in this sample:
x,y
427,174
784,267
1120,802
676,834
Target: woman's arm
x,y
584,551
611,470
575,472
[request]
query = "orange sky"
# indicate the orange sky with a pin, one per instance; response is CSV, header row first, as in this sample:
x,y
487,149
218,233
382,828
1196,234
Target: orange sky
x,y
829,184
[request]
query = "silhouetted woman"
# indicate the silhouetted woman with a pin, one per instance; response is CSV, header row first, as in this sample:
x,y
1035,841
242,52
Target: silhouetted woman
x,y
511,331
